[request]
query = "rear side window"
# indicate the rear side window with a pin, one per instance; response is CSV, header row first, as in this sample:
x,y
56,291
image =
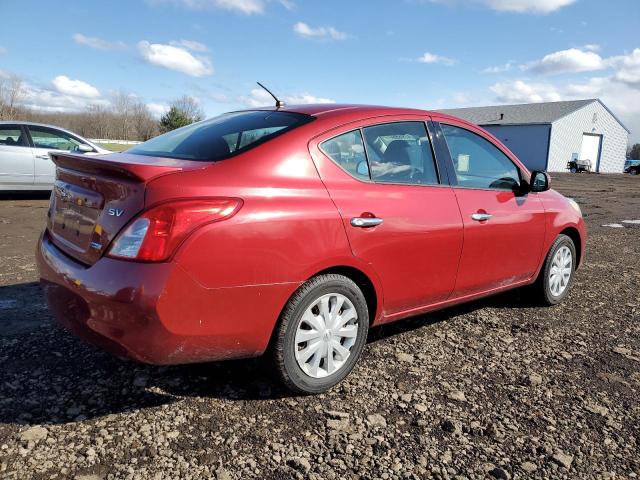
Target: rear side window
x,y
347,150
11,136
221,137
478,163
400,153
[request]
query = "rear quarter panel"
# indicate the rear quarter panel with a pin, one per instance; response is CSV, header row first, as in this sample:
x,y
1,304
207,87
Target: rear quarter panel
x,y
287,230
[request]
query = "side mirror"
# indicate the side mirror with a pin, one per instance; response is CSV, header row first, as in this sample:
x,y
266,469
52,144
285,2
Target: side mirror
x,y
84,148
539,181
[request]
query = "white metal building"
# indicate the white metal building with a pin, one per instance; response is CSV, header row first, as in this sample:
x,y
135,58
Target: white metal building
x,y
545,136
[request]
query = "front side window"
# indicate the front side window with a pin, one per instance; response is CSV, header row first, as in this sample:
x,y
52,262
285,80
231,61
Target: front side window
x,y
347,150
221,137
53,139
11,136
478,163
400,153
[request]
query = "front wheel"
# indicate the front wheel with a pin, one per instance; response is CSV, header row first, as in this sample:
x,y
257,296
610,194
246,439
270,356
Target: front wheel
x,y
321,334
557,272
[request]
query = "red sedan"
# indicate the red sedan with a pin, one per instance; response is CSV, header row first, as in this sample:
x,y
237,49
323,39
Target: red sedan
x,y
293,230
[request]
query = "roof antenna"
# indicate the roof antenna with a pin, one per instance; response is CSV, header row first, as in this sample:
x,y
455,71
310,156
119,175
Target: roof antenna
x,y
279,103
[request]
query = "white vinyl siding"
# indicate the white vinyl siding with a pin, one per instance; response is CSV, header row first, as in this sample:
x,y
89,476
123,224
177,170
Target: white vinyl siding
x,y
567,134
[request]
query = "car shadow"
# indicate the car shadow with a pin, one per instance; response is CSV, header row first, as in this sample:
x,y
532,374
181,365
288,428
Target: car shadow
x,y
50,377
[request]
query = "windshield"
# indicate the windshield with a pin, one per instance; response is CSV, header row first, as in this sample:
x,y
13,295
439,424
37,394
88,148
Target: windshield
x,y
221,137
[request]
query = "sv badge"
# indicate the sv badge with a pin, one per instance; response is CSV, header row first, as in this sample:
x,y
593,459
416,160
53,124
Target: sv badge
x,y
115,212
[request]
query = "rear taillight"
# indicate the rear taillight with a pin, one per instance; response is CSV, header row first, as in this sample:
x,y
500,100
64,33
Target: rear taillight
x,y
155,234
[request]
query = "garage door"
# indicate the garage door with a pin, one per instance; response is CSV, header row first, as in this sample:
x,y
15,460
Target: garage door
x,y
591,149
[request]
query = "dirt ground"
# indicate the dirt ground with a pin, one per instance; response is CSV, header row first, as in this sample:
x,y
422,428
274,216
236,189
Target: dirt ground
x,y
496,388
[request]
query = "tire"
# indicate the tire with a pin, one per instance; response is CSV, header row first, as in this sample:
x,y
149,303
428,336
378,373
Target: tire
x,y
633,171
573,170
544,290
307,376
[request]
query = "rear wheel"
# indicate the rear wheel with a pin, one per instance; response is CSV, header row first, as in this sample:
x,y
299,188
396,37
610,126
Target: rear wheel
x,y
557,272
321,334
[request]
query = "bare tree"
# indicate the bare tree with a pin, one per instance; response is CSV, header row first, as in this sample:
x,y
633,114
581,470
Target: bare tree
x,y
11,95
146,125
189,107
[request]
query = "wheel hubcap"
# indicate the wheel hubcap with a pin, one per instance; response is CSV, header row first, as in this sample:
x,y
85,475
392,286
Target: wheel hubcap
x,y
325,335
560,272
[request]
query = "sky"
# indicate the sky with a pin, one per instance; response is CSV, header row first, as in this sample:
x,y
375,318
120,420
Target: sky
x,y
416,53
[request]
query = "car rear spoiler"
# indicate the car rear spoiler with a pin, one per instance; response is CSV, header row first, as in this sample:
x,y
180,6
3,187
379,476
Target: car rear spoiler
x,y
135,167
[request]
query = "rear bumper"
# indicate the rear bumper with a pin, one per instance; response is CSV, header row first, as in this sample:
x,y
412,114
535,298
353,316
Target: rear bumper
x,y
155,312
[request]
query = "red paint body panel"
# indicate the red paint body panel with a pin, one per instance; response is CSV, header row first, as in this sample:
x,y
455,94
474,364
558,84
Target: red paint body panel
x,y
416,250
220,295
503,250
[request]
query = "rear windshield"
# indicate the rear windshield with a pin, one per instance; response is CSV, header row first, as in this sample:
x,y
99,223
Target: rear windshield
x,y
221,137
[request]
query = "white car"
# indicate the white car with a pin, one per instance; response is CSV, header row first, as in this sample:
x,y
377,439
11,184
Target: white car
x,y
24,153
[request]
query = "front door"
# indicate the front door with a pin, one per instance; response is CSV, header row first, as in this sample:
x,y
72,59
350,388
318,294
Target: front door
x,y
16,158
399,217
503,229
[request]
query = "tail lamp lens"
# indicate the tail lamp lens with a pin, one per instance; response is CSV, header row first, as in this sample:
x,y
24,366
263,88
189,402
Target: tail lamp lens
x,y
156,233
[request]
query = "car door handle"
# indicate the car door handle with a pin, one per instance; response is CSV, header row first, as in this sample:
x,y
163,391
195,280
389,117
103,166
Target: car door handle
x,y
43,157
365,222
481,217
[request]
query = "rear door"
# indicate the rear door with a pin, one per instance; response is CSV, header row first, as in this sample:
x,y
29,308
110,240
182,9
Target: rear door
x,y
16,157
503,229
399,213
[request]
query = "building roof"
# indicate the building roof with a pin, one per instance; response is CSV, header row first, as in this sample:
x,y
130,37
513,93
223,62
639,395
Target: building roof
x,y
540,113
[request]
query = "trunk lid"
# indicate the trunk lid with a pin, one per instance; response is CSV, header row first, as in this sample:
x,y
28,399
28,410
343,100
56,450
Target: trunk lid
x,y
95,197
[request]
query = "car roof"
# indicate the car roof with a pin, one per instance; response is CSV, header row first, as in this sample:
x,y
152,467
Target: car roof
x,y
337,109
350,112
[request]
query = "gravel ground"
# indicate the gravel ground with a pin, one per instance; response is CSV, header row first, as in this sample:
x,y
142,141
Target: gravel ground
x,y
496,388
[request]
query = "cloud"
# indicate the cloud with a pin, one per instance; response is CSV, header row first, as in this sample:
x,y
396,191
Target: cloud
x,y
572,60
628,68
175,58
319,33
521,92
157,109
592,47
260,98
97,43
528,6
45,99
76,88
433,58
499,68
288,4
516,6
190,45
460,99
246,7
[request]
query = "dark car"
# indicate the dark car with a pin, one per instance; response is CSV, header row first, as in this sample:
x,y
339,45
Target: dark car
x,y
632,167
